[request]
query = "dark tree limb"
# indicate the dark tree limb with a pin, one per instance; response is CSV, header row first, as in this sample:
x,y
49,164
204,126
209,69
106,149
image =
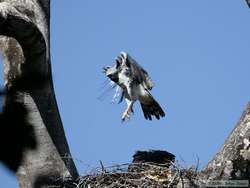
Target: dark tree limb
x,y
24,26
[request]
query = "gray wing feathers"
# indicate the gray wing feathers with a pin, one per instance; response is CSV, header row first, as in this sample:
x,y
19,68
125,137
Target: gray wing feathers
x,y
139,74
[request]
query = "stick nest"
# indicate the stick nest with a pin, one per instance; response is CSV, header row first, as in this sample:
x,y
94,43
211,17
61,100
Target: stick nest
x,y
141,175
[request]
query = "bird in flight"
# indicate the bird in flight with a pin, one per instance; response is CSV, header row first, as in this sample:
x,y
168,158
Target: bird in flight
x,y
135,84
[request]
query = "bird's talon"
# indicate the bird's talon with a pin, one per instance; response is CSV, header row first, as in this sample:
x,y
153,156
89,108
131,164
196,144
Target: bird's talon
x,y
126,115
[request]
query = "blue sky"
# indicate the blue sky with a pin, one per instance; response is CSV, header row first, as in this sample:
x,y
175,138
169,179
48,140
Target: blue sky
x,y
196,52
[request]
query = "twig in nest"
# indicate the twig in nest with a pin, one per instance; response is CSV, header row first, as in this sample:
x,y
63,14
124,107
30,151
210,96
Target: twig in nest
x,y
103,169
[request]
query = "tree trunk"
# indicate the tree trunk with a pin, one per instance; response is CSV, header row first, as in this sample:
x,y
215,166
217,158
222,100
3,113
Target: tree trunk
x,y
24,26
232,161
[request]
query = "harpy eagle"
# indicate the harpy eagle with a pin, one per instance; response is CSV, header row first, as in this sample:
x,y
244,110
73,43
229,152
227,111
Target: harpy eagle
x,y
135,84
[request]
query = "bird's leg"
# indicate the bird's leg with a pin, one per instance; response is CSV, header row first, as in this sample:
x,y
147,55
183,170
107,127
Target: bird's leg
x,y
129,109
132,110
129,100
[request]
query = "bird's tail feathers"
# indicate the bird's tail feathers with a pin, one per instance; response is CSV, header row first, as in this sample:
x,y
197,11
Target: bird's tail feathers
x,y
152,109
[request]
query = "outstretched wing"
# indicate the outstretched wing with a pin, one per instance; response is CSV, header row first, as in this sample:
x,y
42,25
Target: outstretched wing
x,y
139,74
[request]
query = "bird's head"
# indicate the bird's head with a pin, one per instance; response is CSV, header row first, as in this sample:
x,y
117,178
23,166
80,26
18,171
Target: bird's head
x,y
112,72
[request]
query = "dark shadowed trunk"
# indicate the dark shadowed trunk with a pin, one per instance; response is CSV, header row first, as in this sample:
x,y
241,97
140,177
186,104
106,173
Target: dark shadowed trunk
x,y
24,43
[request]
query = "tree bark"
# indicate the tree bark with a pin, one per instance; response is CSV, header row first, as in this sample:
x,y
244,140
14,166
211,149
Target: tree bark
x,y
24,26
232,161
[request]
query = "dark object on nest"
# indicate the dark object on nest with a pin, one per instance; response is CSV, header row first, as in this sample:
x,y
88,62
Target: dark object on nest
x,y
155,157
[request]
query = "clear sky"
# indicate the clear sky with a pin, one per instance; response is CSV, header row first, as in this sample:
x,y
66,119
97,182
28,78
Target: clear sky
x,y
196,52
